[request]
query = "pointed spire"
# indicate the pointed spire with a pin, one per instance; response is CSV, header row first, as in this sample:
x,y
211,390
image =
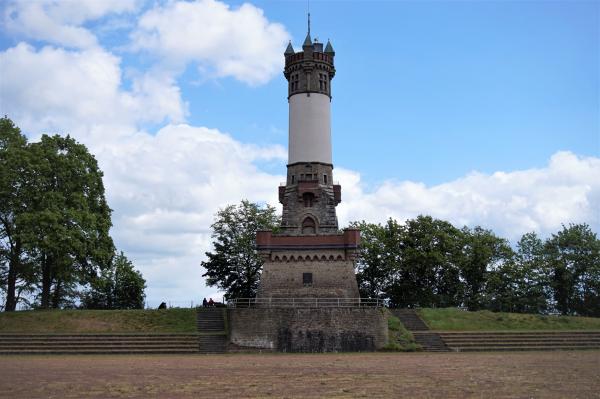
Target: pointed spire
x,y
289,50
307,41
329,48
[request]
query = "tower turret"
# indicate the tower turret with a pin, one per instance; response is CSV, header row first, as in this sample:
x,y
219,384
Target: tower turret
x,y
309,196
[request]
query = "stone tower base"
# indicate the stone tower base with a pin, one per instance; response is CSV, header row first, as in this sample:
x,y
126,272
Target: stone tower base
x,y
311,266
309,329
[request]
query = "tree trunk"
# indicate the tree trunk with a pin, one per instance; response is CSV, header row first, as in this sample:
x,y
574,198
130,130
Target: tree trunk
x,y
57,294
13,268
11,303
46,281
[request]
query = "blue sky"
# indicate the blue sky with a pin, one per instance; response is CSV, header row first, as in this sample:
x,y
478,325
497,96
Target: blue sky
x,y
477,112
429,91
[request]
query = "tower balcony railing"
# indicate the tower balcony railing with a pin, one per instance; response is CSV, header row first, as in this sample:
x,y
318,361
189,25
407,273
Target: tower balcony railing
x,y
334,183
305,303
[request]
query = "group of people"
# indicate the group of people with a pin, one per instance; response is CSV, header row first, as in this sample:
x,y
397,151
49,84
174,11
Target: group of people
x,y
208,304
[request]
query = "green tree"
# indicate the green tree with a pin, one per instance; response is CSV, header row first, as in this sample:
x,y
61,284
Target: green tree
x,y
67,223
16,274
520,284
573,256
379,257
483,252
234,266
533,284
429,273
118,287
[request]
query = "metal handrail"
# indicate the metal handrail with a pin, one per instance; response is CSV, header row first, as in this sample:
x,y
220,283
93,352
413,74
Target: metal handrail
x,y
304,303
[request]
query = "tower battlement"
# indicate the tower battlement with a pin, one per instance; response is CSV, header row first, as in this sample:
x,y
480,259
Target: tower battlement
x,y
310,70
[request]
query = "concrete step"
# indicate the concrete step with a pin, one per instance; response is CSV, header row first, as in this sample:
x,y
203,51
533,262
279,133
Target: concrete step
x,y
103,336
76,351
210,323
521,340
523,348
410,319
98,343
510,344
520,333
430,342
213,343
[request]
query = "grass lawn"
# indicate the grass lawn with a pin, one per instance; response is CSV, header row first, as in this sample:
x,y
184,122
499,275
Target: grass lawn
x,y
99,321
452,319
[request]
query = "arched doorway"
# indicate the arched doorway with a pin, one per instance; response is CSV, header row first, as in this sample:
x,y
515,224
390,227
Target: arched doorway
x,y
309,226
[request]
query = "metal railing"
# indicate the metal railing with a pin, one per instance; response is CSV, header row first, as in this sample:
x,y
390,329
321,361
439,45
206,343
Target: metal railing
x,y
305,303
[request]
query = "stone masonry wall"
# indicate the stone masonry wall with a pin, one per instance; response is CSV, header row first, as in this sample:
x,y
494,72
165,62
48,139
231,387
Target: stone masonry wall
x,y
309,330
330,278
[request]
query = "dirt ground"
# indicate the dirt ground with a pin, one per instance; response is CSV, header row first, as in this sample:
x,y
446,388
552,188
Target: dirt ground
x,y
374,375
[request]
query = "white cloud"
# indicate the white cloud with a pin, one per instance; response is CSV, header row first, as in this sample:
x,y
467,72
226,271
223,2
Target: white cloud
x,y
64,91
165,190
223,41
60,21
510,203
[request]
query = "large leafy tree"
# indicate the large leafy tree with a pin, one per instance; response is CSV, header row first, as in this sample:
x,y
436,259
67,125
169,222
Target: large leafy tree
x,y
234,265
16,274
379,257
573,256
430,254
66,226
483,252
520,284
415,264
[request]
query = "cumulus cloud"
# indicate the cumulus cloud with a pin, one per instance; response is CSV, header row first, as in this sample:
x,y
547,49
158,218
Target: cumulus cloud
x,y
567,190
60,90
165,190
60,21
223,41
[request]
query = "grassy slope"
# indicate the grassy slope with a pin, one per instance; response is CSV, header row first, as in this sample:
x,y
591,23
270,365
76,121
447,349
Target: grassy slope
x,y
399,338
452,319
99,321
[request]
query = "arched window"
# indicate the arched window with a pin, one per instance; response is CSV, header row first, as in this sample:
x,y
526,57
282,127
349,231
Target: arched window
x,y
308,226
308,199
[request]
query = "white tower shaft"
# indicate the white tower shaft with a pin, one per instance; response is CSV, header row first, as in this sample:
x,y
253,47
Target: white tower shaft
x,y
309,128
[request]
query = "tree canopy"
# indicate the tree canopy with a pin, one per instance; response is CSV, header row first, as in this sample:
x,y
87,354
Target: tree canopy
x,y
427,262
118,287
234,265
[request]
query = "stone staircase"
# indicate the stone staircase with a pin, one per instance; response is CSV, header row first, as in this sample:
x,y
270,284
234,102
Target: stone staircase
x,y
211,326
46,344
521,340
430,341
410,319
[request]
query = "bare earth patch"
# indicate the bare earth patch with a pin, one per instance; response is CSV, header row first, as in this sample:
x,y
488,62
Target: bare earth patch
x,y
373,375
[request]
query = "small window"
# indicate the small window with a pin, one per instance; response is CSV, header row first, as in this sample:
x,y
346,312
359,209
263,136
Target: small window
x,y
324,179
302,177
322,82
293,178
307,280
